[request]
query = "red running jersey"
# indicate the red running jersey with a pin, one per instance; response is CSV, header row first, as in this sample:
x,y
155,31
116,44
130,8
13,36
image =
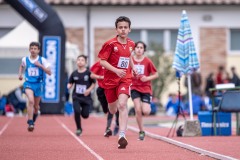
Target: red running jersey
x,y
99,70
145,67
118,55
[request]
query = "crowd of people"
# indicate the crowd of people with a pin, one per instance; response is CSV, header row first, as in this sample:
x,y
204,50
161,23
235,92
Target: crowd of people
x,y
201,95
122,71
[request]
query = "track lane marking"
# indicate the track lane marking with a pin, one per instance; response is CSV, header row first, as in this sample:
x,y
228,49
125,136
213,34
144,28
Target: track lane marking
x,y
184,145
79,140
5,126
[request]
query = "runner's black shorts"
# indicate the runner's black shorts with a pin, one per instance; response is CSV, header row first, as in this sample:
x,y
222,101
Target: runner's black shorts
x,y
145,97
82,105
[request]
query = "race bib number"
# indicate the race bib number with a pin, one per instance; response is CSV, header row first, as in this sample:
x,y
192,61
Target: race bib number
x,y
123,62
33,71
80,89
140,69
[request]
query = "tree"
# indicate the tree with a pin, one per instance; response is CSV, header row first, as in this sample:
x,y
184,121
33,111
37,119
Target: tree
x,y
163,63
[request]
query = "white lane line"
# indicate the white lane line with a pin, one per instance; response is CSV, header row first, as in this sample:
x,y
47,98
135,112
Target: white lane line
x,y
5,126
184,145
79,140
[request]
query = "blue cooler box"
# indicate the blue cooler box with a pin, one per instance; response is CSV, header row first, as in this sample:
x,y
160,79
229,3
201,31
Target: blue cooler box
x,y
223,122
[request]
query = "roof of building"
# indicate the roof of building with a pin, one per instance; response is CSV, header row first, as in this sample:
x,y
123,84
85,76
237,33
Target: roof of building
x,y
141,2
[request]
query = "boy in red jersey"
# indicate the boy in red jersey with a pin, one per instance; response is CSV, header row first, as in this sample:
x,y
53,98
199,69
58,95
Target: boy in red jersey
x,y
97,72
141,89
115,57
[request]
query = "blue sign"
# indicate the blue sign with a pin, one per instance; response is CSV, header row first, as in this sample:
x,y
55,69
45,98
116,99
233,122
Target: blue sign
x,y
52,51
34,9
223,124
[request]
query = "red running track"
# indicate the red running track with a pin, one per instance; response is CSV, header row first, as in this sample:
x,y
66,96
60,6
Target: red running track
x,y
54,139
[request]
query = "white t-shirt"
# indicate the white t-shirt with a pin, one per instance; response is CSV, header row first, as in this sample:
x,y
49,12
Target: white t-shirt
x,y
45,63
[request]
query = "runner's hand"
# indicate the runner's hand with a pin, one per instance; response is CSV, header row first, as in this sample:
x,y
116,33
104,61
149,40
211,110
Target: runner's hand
x,y
121,73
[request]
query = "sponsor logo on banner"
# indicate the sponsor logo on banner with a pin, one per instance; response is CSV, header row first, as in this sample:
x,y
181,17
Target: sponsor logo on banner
x,y
34,9
51,51
210,125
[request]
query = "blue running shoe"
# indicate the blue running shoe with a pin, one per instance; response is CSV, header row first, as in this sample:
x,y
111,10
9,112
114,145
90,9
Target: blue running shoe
x,y
30,125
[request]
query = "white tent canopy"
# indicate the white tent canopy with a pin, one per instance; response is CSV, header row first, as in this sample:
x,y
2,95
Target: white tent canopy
x,y
15,44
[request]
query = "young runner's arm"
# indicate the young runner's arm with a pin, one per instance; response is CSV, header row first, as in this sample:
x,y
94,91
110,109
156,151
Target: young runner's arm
x,y
96,76
150,77
88,91
120,72
135,73
45,66
20,70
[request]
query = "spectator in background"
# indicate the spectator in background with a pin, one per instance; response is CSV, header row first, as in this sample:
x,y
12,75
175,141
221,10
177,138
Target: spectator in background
x,y
16,99
173,104
219,78
3,102
196,82
207,102
21,105
235,79
226,77
209,84
197,104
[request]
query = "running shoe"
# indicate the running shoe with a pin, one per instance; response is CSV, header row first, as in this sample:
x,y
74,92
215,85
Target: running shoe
x,y
115,131
122,142
141,135
78,132
30,125
108,133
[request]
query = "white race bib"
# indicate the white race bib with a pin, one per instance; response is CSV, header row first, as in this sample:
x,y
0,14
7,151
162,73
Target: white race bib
x,y
140,69
80,89
123,62
33,71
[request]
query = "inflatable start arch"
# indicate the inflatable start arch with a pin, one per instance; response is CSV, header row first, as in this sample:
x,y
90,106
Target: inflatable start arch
x,y
52,39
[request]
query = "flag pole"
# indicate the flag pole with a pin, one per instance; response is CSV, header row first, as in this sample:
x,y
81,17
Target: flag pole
x,y
190,97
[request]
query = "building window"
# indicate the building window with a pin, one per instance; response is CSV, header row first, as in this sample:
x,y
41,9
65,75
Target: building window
x,y
173,39
135,35
234,39
154,38
12,66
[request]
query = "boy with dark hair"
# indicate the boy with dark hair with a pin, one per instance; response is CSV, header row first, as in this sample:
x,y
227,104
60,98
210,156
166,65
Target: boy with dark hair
x,y
115,58
81,95
34,66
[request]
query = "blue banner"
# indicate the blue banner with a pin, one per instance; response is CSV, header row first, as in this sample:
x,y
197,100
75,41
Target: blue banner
x,y
34,9
51,51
